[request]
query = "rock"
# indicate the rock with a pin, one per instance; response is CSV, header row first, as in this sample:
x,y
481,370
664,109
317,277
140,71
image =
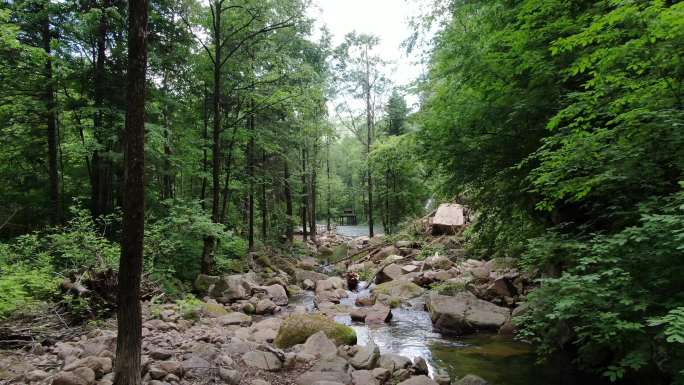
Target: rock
x,y
203,282
324,378
358,314
265,306
393,362
377,314
418,380
365,301
100,365
160,370
277,294
248,308
319,345
366,357
68,378
442,377
471,379
302,275
438,262
259,381
194,367
389,273
448,218
400,375
266,335
230,377
401,289
363,377
307,263
36,375
409,269
464,313
213,310
501,287
420,366
262,360
232,287
235,318
308,284
160,354
297,328
87,374
381,374
384,253
520,310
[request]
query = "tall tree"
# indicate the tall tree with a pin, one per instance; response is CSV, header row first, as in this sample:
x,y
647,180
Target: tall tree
x,y
129,316
396,111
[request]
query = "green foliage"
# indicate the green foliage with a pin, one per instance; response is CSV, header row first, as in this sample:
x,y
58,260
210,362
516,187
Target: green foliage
x,y
189,307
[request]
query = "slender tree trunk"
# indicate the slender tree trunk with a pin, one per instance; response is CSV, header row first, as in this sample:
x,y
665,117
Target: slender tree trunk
x,y
264,205
369,141
250,171
329,196
209,242
99,168
288,202
52,139
205,136
312,196
129,316
168,177
305,206
226,183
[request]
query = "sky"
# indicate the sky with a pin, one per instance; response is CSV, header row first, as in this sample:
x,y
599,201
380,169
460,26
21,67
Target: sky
x,y
387,19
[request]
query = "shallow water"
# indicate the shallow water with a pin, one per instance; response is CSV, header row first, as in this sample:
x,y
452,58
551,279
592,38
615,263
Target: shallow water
x,y
359,230
500,360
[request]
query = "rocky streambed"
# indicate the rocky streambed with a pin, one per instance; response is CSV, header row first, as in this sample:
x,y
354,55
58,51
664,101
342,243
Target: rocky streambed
x,y
286,323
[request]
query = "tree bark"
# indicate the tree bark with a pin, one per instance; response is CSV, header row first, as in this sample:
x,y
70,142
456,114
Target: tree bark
x,y
209,241
305,206
127,365
288,202
250,172
52,138
263,203
329,196
369,130
205,136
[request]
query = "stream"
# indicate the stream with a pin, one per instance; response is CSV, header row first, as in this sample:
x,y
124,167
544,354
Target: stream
x,y
500,360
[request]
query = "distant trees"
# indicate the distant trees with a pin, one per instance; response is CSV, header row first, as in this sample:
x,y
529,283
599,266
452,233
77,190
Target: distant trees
x,y
397,113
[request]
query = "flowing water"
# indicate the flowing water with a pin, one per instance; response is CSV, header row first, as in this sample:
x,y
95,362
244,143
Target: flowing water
x,y
500,360
359,230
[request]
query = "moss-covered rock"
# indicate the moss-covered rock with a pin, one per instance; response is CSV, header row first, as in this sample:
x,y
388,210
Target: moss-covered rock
x,y
213,310
203,282
296,328
402,289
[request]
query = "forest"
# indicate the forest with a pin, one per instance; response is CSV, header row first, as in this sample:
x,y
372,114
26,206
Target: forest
x,y
148,143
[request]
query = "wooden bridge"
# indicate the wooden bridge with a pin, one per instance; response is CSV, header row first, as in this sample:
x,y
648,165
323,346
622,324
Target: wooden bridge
x,y
347,218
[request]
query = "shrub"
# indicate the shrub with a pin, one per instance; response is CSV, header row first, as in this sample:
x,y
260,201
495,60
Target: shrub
x,y
448,288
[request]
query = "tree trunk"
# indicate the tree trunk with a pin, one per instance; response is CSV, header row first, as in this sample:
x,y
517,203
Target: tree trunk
x,y
288,202
100,170
250,171
205,136
52,139
129,316
329,196
209,241
305,206
312,197
369,139
226,183
263,204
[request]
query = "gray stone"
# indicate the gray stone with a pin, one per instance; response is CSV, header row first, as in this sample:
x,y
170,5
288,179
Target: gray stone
x,y
464,313
418,380
363,377
235,318
366,357
265,306
231,377
420,366
87,374
319,345
442,377
68,378
392,362
262,360
389,273
100,365
324,378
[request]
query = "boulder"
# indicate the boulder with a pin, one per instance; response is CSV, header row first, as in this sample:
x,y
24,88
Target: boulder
x,y
319,345
235,318
400,288
331,370
389,273
442,377
420,366
276,293
418,380
438,262
448,218
230,377
231,288
393,362
308,284
302,275
409,268
464,313
363,377
366,357
213,310
501,287
100,365
262,360
265,306
297,328
377,314
307,263
385,252
69,378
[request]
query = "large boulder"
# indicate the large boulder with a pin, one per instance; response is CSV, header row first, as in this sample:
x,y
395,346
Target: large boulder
x,y
392,362
464,313
203,282
232,287
448,218
438,262
319,345
472,379
385,252
366,357
275,293
402,289
297,328
262,360
327,371
389,273
301,275
307,263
